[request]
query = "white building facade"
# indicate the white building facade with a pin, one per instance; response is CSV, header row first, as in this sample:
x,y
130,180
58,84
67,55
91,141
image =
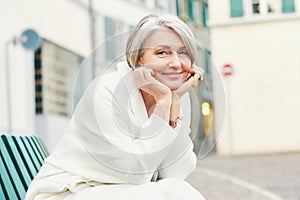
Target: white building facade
x,y
37,86
260,40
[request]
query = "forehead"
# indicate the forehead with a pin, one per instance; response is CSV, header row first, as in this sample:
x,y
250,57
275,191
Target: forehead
x,y
164,37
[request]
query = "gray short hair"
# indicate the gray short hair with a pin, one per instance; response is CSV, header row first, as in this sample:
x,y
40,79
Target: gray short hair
x,y
150,23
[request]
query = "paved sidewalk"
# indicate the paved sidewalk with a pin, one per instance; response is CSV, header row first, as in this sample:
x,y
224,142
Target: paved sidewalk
x,y
260,177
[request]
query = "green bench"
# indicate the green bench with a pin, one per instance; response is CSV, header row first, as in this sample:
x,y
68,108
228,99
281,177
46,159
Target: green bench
x,y
21,159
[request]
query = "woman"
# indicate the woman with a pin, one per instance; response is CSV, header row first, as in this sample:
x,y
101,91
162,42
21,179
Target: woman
x,y
129,135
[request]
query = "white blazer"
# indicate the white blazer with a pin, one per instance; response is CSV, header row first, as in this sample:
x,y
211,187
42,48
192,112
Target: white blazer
x,y
111,139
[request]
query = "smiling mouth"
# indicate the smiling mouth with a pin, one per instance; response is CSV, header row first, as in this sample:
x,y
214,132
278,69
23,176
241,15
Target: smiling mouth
x,y
173,75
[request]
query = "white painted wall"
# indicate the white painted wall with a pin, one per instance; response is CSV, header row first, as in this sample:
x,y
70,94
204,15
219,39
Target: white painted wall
x,y
59,21
263,98
218,11
66,23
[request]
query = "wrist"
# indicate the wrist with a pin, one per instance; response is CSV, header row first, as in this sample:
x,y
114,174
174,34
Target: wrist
x,y
175,108
174,123
176,95
162,108
175,101
166,101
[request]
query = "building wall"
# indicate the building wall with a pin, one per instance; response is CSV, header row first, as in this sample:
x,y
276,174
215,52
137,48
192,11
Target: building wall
x,y
54,21
262,95
67,24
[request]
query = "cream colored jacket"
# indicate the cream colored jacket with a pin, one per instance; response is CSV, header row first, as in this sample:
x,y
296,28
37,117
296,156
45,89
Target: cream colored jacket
x,y
111,139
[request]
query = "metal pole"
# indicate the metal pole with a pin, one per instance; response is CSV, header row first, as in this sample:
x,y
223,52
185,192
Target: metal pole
x,y
229,118
92,35
8,92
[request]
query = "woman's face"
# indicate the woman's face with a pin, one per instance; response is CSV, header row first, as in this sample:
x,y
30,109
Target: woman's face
x,y
166,54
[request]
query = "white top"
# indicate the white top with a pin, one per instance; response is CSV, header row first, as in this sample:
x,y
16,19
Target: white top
x,y
111,139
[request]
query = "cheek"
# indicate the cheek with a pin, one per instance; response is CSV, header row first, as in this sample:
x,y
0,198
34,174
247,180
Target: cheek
x,y
186,69
157,69
152,63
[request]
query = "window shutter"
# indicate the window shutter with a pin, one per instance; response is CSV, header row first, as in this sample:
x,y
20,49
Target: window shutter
x,y
191,10
236,8
288,6
204,14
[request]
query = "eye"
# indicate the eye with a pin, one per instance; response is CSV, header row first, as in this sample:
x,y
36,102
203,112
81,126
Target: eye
x,y
184,52
162,53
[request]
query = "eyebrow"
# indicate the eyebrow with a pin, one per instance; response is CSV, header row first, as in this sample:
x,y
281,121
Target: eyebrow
x,y
162,46
168,47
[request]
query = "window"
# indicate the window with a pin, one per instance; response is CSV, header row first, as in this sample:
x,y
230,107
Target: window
x,y
192,10
241,8
55,72
156,4
288,6
265,6
274,6
236,8
162,5
181,8
255,6
115,39
110,44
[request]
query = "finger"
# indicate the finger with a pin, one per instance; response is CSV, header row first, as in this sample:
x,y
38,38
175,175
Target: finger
x,y
148,73
196,77
143,72
198,69
139,76
193,81
185,87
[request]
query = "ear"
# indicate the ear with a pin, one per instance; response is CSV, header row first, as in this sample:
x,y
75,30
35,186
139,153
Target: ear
x,y
140,61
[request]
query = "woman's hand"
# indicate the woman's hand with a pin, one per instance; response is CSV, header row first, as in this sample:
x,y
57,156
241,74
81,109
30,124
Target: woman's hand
x,y
147,83
195,74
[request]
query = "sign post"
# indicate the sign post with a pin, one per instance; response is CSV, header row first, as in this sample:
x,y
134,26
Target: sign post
x,y
227,72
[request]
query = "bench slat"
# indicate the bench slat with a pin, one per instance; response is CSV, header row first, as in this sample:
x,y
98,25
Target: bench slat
x,y
41,146
8,165
31,153
36,151
7,184
2,192
25,156
21,157
18,161
37,146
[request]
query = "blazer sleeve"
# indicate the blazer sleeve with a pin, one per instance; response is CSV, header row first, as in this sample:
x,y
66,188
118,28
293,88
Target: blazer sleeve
x,y
181,160
181,167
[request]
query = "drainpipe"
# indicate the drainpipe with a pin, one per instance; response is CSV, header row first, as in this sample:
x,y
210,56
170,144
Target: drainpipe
x,y
8,88
92,35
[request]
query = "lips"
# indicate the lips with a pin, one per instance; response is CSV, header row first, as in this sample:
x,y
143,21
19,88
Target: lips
x,y
172,75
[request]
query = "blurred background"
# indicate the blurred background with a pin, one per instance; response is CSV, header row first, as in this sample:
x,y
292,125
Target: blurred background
x,y
249,49
249,104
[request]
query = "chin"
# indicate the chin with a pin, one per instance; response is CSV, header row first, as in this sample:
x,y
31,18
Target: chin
x,y
174,87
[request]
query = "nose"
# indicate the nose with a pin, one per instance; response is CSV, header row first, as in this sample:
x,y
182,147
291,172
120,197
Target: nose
x,y
174,61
